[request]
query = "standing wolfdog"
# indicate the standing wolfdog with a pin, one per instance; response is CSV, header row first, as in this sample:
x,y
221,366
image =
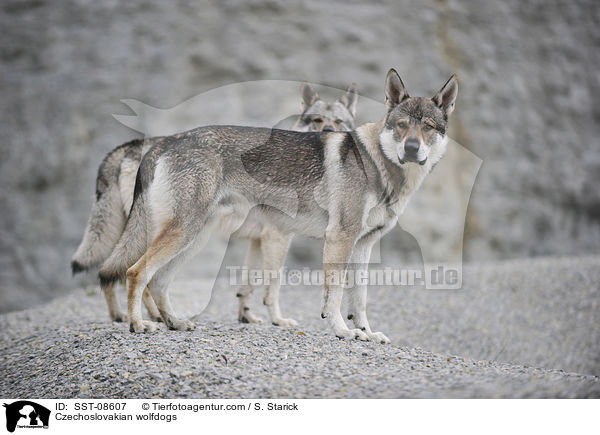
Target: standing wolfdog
x,y
114,195
346,187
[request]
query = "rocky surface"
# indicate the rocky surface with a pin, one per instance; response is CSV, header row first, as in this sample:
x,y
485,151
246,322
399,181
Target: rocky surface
x,y
526,329
526,107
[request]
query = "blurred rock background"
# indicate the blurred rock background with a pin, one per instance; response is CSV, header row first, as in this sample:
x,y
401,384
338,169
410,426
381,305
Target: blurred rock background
x,y
527,106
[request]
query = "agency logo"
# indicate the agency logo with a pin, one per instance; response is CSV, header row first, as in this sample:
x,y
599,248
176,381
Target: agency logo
x,y
25,414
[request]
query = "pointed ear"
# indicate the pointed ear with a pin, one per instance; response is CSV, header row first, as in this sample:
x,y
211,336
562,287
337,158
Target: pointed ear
x,y
350,98
446,97
395,92
309,96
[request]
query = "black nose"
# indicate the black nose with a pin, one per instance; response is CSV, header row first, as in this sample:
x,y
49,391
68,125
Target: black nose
x,y
411,146
328,128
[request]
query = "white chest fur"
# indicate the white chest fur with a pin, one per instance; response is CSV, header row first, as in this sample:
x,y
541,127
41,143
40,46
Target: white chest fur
x,y
414,175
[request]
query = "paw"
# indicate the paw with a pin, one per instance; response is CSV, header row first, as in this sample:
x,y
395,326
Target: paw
x,y
286,323
248,317
181,324
360,335
143,326
350,334
378,337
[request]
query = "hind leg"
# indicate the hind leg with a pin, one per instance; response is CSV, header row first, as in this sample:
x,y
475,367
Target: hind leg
x,y
275,246
151,306
252,263
116,312
159,285
114,308
164,247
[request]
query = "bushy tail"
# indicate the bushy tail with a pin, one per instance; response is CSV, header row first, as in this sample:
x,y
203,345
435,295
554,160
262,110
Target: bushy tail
x,y
130,247
105,226
107,219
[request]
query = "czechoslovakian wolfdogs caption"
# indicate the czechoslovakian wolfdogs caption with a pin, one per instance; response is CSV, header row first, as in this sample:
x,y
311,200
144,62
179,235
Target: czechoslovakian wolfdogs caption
x,y
345,187
114,195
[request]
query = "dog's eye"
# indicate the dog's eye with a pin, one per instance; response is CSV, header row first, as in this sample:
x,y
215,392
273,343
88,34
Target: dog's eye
x,y
402,124
338,121
428,125
317,120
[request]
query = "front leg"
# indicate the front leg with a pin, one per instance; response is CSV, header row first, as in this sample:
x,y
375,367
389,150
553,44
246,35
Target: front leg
x,y
358,314
357,304
338,248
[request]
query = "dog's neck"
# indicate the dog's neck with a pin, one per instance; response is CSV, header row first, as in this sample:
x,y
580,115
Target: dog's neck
x,y
397,183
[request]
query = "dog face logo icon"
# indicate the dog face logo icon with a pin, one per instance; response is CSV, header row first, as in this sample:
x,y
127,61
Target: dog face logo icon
x,y
26,414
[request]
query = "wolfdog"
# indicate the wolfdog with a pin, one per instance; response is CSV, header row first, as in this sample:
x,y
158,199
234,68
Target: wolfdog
x,y
345,187
114,195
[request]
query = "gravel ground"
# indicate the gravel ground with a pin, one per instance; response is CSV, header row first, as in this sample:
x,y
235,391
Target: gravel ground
x,y
510,320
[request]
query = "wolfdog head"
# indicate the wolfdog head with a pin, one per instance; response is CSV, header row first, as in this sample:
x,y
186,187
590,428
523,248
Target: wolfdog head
x,y
415,127
319,115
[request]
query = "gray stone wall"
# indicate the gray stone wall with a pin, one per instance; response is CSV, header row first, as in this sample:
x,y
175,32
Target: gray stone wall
x,y
527,104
